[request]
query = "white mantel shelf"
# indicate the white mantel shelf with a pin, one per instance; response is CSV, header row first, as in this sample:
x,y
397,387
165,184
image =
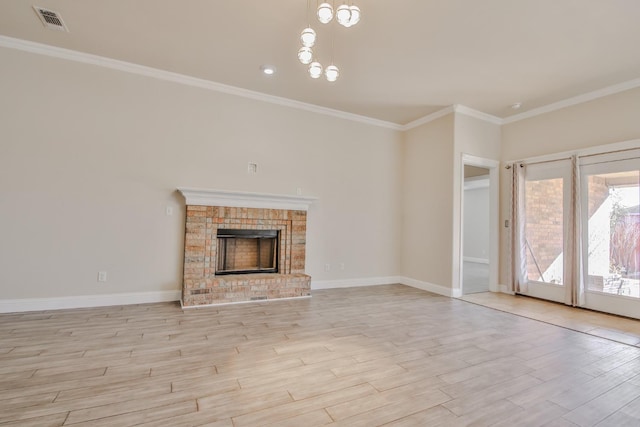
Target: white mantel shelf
x,y
243,199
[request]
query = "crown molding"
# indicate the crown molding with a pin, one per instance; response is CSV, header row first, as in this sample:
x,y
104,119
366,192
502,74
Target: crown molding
x,y
477,114
128,67
580,99
428,118
455,108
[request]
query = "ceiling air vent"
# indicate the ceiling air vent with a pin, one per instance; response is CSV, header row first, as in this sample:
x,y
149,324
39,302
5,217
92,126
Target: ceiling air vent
x,y
50,19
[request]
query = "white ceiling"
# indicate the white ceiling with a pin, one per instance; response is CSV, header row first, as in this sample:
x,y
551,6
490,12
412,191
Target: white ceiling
x,y
404,60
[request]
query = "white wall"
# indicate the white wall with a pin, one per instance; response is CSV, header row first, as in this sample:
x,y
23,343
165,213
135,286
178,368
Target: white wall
x,y
432,193
479,138
427,202
476,224
90,157
603,121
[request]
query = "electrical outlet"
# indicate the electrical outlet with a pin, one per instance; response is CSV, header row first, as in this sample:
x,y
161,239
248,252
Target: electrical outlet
x,y
252,168
102,276
327,267
342,266
169,210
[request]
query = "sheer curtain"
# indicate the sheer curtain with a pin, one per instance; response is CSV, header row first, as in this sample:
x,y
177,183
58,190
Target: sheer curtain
x,y
573,274
518,222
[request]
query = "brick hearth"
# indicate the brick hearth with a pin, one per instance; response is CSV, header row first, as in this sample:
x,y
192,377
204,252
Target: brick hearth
x,y
201,286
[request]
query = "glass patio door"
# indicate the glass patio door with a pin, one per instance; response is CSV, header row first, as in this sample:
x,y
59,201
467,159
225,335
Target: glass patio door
x,y
611,233
546,203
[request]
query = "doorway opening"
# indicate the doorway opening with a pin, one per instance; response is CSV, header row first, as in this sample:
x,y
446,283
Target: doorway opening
x,y
475,223
478,245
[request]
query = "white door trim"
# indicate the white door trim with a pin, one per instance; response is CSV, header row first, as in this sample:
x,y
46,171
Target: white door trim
x,y
494,220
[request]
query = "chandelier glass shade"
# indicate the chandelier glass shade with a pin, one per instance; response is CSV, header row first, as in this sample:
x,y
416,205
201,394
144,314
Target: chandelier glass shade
x,y
347,16
343,14
331,73
354,18
305,55
308,37
315,70
325,13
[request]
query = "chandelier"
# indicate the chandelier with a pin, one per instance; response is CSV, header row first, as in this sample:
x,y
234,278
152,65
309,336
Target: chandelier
x,y
346,15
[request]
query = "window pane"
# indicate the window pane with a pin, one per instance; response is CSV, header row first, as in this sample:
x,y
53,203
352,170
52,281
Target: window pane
x,y
613,264
544,230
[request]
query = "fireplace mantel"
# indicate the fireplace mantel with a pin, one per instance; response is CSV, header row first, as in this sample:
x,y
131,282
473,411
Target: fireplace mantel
x,y
242,199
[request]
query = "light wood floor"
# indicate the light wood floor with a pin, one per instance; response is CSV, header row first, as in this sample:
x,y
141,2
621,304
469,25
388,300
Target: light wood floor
x,y
383,355
603,325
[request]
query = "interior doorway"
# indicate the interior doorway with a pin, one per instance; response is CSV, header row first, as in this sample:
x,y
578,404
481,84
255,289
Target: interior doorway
x,y
479,225
475,223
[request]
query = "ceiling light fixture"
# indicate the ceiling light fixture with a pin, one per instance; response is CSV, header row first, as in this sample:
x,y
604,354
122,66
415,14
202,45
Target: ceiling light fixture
x,y
315,70
516,106
332,73
305,55
346,15
268,70
308,37
325,13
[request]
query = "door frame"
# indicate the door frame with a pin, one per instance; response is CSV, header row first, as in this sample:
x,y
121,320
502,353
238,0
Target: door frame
x,y
594,300
494,222
558,169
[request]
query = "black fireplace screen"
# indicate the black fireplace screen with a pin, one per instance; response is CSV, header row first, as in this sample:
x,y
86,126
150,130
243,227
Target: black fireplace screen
x,y
247,251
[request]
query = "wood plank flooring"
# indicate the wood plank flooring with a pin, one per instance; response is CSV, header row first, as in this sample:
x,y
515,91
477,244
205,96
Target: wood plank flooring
x,y
383,355
617,328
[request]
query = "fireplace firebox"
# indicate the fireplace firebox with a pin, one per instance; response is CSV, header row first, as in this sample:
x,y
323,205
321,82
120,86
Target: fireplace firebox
x,y
247,251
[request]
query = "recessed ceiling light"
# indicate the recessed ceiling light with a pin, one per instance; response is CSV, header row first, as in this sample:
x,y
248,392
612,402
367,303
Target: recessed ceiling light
x,y
268,69
516,106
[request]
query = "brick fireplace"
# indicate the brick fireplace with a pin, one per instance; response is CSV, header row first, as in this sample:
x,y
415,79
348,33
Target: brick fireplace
x,y
214,215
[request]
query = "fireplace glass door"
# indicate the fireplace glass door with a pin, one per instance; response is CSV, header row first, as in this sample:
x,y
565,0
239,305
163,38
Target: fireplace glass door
x,y
247,251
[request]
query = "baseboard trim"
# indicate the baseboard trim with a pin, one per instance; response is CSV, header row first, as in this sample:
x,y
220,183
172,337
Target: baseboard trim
x,y
476,260
352,283
86,301
376,281
430,287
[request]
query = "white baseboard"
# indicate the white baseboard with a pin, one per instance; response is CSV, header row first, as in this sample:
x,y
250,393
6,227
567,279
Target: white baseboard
x,y
430,287
352,283
375,281
84,301
476,260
